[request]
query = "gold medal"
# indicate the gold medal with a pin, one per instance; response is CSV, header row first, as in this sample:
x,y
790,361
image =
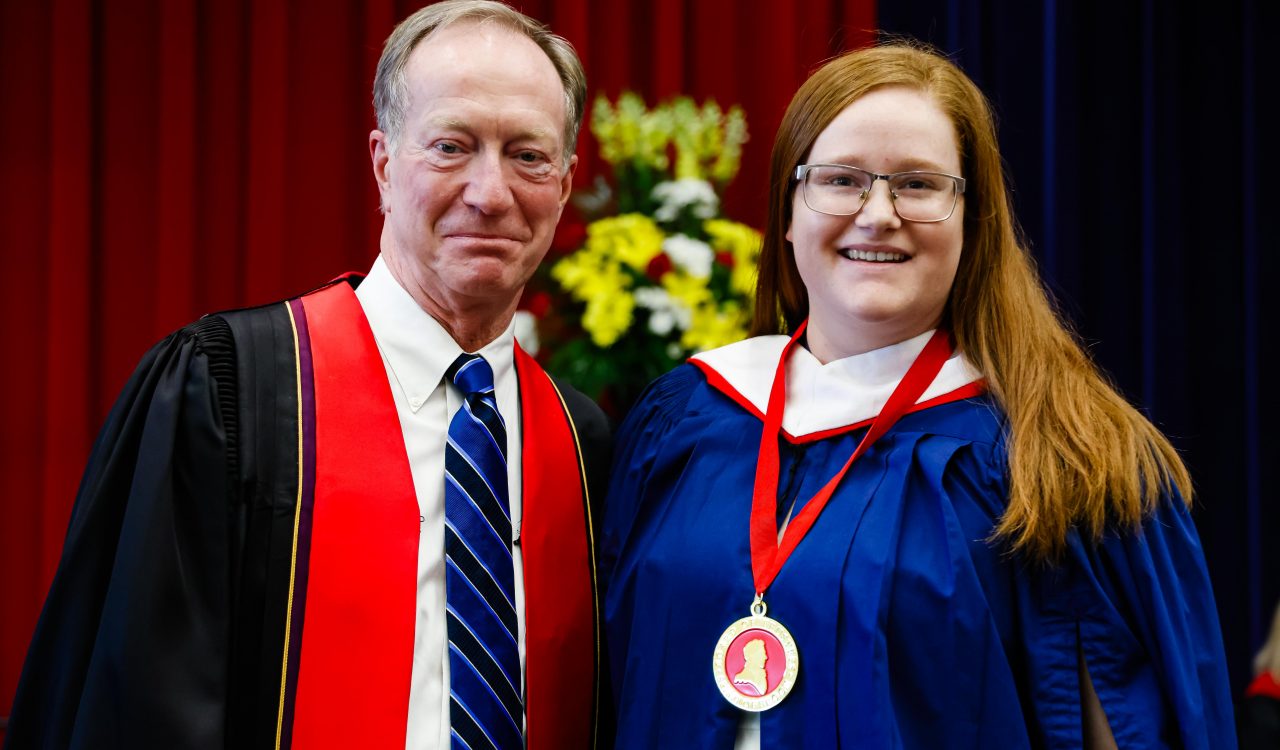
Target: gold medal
x,y
755,661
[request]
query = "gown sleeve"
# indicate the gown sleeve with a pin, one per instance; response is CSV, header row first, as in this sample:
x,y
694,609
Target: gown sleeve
x,y
131,647
1140,609
637,444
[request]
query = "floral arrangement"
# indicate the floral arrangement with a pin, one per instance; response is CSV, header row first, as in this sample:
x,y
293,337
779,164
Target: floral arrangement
x,y
660,274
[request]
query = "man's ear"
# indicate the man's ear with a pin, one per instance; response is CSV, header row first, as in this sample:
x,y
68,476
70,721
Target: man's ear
x,y
380,156
566,180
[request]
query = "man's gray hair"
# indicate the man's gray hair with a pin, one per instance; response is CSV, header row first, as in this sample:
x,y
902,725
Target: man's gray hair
x,y
391,91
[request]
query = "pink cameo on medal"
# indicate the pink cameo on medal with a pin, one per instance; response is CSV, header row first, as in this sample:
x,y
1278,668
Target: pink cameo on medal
x,y
755,662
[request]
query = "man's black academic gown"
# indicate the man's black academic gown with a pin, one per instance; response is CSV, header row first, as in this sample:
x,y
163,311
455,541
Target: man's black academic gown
x,y
165,625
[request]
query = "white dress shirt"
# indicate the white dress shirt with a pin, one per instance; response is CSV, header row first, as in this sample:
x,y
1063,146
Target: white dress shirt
x,y
416,351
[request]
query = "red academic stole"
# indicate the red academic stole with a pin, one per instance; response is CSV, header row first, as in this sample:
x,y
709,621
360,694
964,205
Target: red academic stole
x,y
349,650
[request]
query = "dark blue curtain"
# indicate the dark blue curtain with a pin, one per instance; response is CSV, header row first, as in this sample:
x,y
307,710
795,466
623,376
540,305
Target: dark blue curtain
x,y
1142,176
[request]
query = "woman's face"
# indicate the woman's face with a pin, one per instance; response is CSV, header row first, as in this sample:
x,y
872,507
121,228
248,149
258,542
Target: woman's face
x,y
872,278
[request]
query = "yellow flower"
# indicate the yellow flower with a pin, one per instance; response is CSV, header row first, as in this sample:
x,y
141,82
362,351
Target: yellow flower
x,y
743,243
633,239
690,291
687,137
714,327
608,316
729,154
707,141
595,275
574,271
630,133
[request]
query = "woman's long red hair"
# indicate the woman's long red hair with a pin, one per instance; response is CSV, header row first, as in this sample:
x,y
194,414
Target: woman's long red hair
x,y
1079,454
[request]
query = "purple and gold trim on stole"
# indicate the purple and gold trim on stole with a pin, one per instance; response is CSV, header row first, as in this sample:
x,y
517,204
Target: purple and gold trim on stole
x,y
301,551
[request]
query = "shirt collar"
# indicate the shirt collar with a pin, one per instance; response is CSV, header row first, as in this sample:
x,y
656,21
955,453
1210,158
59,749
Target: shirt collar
x,y
416,347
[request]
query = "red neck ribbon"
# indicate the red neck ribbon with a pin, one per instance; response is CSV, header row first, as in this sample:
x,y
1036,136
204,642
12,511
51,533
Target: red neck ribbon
x,y
767,553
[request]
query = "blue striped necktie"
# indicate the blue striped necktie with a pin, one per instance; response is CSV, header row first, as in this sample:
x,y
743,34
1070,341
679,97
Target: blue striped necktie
x,y
485,706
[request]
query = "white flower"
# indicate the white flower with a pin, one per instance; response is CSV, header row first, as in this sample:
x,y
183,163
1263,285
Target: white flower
x,y
697,195
661,322
652,297
527,332
694,256
666,313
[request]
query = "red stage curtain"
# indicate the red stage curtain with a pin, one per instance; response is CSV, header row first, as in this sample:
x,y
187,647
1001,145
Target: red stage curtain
x,y
160,159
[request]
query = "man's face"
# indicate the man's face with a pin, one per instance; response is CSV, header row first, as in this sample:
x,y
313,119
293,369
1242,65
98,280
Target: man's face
x,y
476,181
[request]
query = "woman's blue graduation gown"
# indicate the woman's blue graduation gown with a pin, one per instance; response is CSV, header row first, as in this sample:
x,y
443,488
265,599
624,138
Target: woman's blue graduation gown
x,y
914,629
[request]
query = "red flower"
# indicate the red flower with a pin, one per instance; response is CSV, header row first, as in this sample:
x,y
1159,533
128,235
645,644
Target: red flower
x,y
537,303
658,266
569,236
725,258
